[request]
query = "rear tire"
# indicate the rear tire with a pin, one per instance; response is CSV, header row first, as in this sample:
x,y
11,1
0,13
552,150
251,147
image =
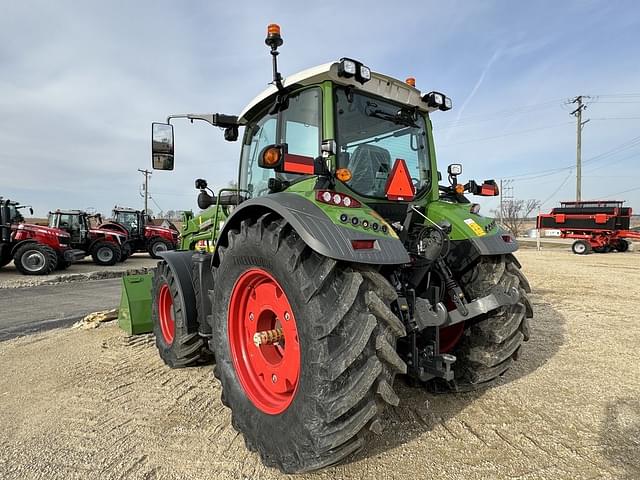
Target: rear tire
x,y
346,336
105,253
490,345
125,252
177,346
581,247
157,246
35,259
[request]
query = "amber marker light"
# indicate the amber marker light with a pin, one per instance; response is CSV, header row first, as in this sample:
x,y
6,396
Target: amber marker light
x,y
411,82
459,189
271,157
273,29
343,174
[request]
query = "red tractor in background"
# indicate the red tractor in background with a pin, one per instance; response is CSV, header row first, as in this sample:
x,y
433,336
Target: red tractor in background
x,y
104,245
35,250
600,226
143,236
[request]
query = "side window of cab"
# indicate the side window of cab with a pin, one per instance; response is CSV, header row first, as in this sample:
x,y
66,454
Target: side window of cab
x,y
299,125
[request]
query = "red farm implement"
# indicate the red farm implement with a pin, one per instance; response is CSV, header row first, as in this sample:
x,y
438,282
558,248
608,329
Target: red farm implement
x,y
598,226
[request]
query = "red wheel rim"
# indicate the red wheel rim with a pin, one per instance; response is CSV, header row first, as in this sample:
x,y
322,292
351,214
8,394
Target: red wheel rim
x,y
268,373
165,314
449,336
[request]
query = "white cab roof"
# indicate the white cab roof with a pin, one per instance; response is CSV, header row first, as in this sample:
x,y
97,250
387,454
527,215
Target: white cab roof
x,y
380,85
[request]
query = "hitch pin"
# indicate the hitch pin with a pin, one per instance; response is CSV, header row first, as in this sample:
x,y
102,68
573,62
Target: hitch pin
x,y
268,337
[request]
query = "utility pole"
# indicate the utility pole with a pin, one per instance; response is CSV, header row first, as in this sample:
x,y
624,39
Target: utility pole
x,y
146,174
579,125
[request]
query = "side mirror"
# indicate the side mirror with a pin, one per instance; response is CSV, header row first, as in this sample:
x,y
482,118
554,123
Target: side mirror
x,y
31,210
489,188
454,169
201,183
162,146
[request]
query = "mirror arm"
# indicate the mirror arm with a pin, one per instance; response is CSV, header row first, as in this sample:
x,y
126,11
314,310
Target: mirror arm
x,y
215,119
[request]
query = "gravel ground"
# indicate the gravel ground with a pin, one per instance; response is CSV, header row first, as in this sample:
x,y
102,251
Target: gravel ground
x,y
97,404
81,271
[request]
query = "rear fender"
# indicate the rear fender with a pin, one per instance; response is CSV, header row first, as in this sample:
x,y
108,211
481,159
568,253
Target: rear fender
x,y
181,267
21,243
317,230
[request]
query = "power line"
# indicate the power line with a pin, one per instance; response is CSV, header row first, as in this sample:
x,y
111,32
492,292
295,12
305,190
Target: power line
x,y
482,117
557,189
635,141
519,132
624,191
617,118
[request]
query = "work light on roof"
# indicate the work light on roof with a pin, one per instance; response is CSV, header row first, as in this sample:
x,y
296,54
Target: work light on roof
x,y
438,100
349,68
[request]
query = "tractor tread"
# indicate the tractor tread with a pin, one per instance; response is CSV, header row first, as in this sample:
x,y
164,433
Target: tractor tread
x,y
51,258
350,349
188,348
489,347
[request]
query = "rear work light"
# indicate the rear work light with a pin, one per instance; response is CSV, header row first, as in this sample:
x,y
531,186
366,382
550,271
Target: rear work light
x,y
337,199
349,68
438,100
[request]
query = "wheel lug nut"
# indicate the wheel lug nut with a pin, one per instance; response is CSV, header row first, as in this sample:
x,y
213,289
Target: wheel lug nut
x,y
251,316
274,379
287,316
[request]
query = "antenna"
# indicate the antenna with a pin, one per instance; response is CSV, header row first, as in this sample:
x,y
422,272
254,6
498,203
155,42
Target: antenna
x,y
274,40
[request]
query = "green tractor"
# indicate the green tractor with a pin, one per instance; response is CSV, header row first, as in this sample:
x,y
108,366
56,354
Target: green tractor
x,y
339,263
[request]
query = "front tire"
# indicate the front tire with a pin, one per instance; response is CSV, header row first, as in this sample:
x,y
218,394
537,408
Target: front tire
x,y
105,253
346,344
35,259
490,345
178,347
157,246
581,247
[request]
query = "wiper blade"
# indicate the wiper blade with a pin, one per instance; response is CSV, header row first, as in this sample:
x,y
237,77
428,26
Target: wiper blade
x,y
400,118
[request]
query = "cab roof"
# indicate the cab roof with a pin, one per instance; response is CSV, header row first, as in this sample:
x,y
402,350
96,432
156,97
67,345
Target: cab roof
x,y
379,85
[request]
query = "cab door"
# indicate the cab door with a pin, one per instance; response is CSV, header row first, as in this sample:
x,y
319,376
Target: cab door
x,y
298,124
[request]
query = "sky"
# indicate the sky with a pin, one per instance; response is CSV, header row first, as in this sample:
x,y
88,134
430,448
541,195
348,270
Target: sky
x,y
81,82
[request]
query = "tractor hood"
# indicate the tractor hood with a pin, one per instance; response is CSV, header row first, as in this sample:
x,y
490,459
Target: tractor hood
x,y
40,229
107,232
154,228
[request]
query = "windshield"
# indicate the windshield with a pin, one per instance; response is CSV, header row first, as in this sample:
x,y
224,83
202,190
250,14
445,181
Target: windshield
x,y
128,219
372,134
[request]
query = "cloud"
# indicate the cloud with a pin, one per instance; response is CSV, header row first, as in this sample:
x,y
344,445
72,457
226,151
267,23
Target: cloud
x,y
81,83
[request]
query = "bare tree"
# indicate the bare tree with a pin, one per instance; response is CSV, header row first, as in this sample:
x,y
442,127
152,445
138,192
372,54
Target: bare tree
x,y
515,214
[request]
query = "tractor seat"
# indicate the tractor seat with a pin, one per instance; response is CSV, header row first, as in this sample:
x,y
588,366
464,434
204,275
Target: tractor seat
x,y
368,164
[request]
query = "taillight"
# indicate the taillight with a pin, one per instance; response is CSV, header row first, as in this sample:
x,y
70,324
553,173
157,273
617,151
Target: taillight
x,y
337,199
363,244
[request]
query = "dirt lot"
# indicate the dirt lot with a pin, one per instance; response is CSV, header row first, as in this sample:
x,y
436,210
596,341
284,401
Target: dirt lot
x,y
81,271
96,404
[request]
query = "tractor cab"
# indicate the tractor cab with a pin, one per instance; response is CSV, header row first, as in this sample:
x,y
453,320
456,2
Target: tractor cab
x,y
11,214
74,222
133,220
